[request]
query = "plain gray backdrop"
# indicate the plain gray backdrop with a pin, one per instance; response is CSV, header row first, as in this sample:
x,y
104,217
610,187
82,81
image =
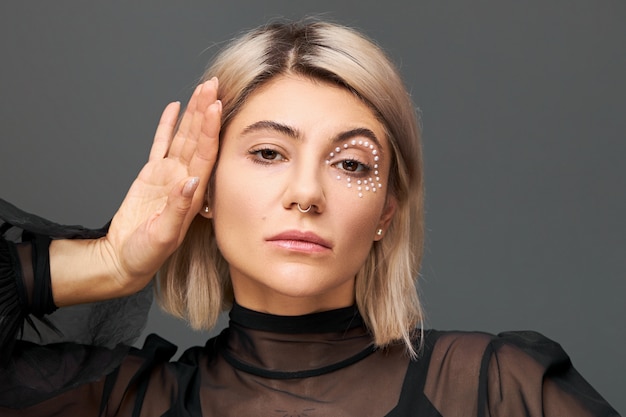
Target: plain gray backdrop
x,y
524,135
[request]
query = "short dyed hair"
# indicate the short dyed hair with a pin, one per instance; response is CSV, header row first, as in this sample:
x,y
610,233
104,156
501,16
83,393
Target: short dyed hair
x,y
194,283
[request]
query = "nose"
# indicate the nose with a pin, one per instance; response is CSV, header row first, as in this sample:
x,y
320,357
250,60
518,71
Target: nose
x,y
305,189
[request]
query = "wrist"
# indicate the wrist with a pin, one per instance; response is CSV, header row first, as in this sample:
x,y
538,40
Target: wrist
x,y
86,270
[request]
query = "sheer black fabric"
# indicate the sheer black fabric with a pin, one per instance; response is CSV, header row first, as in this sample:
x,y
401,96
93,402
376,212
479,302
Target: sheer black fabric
x,y
106,324
321,364
306,368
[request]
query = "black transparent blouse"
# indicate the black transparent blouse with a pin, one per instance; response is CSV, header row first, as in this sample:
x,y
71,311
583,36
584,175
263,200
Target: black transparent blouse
x,y
77,361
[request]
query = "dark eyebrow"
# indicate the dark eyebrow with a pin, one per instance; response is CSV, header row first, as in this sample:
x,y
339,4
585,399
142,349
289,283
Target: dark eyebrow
x,y
272,126
295,133
359,131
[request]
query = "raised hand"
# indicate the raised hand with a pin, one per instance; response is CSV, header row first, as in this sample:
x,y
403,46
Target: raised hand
x,y
155,214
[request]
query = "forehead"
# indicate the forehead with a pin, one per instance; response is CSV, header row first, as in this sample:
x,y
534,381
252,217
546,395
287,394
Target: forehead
x,y
309,105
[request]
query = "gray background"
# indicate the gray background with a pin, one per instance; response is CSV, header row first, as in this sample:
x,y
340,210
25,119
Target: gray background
x,y
524,138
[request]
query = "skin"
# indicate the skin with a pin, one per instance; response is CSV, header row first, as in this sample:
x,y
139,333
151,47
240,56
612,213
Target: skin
x,y
276,154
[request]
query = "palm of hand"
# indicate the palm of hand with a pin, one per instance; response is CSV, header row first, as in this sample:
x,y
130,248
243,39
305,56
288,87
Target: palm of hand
x,y
168,192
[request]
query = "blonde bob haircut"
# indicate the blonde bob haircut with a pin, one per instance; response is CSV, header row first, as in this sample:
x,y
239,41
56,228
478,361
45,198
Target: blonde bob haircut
x,y
194,282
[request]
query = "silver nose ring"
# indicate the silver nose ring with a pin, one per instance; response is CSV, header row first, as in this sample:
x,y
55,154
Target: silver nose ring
x,y
301,210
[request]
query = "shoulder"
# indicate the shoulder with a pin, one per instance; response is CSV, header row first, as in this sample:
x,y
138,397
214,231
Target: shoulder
x,y
474,346
466,366
504,374
478,355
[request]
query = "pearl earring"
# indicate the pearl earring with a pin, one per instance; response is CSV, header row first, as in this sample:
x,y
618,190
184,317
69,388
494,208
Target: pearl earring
x,y
379,232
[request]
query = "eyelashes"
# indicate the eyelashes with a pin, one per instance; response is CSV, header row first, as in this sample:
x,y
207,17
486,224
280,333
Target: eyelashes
x,y
266,155
351,166
362,177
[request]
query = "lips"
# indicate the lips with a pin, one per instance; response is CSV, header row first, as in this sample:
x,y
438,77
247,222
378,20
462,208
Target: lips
x,y
300,241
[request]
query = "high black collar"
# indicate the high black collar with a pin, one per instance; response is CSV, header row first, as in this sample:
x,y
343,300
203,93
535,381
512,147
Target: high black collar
x,y
322,322
287,347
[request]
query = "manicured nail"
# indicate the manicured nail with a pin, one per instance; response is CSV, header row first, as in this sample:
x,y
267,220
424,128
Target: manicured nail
x,y
190,187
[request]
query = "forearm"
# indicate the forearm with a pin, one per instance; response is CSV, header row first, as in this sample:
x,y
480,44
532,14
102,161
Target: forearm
x,y
83,270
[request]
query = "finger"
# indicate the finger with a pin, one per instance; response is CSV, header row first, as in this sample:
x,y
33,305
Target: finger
x,y
204,157
164,131
206,97
179,138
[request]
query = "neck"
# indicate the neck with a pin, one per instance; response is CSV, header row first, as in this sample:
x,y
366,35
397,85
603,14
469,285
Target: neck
x,y
271,302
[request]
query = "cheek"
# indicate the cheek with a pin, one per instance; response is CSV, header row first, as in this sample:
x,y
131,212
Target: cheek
x,y
358,213
231,199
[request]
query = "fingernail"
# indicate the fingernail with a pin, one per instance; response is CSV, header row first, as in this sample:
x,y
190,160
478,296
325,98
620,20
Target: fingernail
x,y
219,104
190,187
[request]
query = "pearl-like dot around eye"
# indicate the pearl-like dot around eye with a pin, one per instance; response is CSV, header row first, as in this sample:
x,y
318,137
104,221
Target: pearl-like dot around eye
x,y
367,183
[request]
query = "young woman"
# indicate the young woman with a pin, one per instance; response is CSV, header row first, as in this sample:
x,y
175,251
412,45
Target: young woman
x,y
290,193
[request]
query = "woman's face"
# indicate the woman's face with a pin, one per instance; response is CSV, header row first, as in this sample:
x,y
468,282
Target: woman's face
x,y
298,141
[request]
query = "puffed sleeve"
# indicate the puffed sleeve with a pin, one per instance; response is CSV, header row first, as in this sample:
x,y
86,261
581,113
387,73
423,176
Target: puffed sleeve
x,y
512,374
526,369
40,353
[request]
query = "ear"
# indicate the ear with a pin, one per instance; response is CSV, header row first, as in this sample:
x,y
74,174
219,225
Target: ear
x,y
386,217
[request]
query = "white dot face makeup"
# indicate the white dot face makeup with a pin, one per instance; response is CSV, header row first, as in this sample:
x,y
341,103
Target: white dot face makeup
x,y
364,182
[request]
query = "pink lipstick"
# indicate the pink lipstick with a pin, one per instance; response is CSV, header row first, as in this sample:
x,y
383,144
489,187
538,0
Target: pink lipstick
x,y
300,241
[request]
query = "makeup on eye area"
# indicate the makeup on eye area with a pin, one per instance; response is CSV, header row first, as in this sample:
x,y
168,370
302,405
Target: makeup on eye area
x,y
265,155
362,182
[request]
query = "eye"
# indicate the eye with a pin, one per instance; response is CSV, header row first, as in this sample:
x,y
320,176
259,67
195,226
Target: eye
x,y
352,166
266,155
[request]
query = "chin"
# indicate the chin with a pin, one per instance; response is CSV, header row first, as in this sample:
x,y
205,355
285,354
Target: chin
x,y
312,291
